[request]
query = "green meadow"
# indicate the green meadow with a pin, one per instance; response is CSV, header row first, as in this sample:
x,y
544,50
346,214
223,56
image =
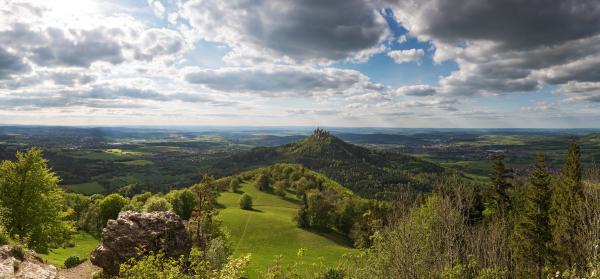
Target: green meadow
x,y
84,244
269,230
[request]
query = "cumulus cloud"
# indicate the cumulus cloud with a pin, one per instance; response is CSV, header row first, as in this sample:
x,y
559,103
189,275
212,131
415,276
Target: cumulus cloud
x,y
11,64
420,90
407,55
291,30
158,42
282,80
507,46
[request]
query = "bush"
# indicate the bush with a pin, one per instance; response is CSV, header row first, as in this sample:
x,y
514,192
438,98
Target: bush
x,y
72,261
157,204
234,185
110,207
262,183
332,274
18,252
4,238
246,202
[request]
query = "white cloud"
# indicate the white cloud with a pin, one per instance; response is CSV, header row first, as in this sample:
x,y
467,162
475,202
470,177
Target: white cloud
x,y
407,55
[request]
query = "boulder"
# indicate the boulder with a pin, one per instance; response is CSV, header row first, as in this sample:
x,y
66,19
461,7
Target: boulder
x,y
133,232
31,266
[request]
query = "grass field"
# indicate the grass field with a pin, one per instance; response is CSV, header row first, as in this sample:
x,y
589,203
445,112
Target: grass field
x,y
138,163
269,230
89,188
84,245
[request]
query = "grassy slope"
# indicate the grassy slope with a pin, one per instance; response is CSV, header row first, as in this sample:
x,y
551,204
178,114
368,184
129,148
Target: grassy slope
x,y
88,188
269,230
84,245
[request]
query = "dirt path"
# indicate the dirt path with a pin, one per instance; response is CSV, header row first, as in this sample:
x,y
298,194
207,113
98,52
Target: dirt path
x,y
82,271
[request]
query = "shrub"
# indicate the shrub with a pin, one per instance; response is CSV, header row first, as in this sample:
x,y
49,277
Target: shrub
x,y
157,204
246,202
18,251
72,261
234,185
110,207
262,183
280,187
183,202
4,238
332,274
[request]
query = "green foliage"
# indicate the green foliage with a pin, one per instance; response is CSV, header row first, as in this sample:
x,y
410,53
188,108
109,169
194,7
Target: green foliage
x,y
369,173
89,220
203,226
183,202
110,206
246,202
499,197
532,232
157,265
72,261
4,237
32,201
566,199
17,251
137,202
280,187
262,183
332,273
318,210
301,217
155,204
234,185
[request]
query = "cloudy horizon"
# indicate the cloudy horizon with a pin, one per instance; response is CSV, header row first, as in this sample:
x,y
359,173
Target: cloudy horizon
x,y
346,63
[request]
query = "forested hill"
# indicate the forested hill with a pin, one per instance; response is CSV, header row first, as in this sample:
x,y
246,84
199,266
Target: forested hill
x,y
367,172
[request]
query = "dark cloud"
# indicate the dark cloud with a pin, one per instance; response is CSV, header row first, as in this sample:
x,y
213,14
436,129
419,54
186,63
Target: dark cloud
x,y
11,64
90,46
508,46
416,90
515,24
300,30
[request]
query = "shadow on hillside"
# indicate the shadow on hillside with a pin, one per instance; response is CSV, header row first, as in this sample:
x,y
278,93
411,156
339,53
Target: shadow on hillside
x,y
255,210
336,237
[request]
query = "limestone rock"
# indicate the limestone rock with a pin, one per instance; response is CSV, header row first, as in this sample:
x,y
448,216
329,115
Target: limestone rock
x,y
123,238
30,267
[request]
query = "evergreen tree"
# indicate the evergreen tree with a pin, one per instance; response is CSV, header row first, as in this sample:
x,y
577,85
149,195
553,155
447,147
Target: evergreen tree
x,y
532,234
499,198
566,197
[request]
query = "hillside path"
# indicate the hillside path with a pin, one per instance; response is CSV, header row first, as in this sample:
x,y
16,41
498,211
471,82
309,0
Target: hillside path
x,y
82,271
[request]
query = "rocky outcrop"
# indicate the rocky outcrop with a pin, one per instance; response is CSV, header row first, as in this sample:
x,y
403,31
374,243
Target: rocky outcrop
x,y
30,266
123,238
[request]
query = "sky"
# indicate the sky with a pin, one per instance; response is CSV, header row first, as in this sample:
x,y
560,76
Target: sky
x,y
354,63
